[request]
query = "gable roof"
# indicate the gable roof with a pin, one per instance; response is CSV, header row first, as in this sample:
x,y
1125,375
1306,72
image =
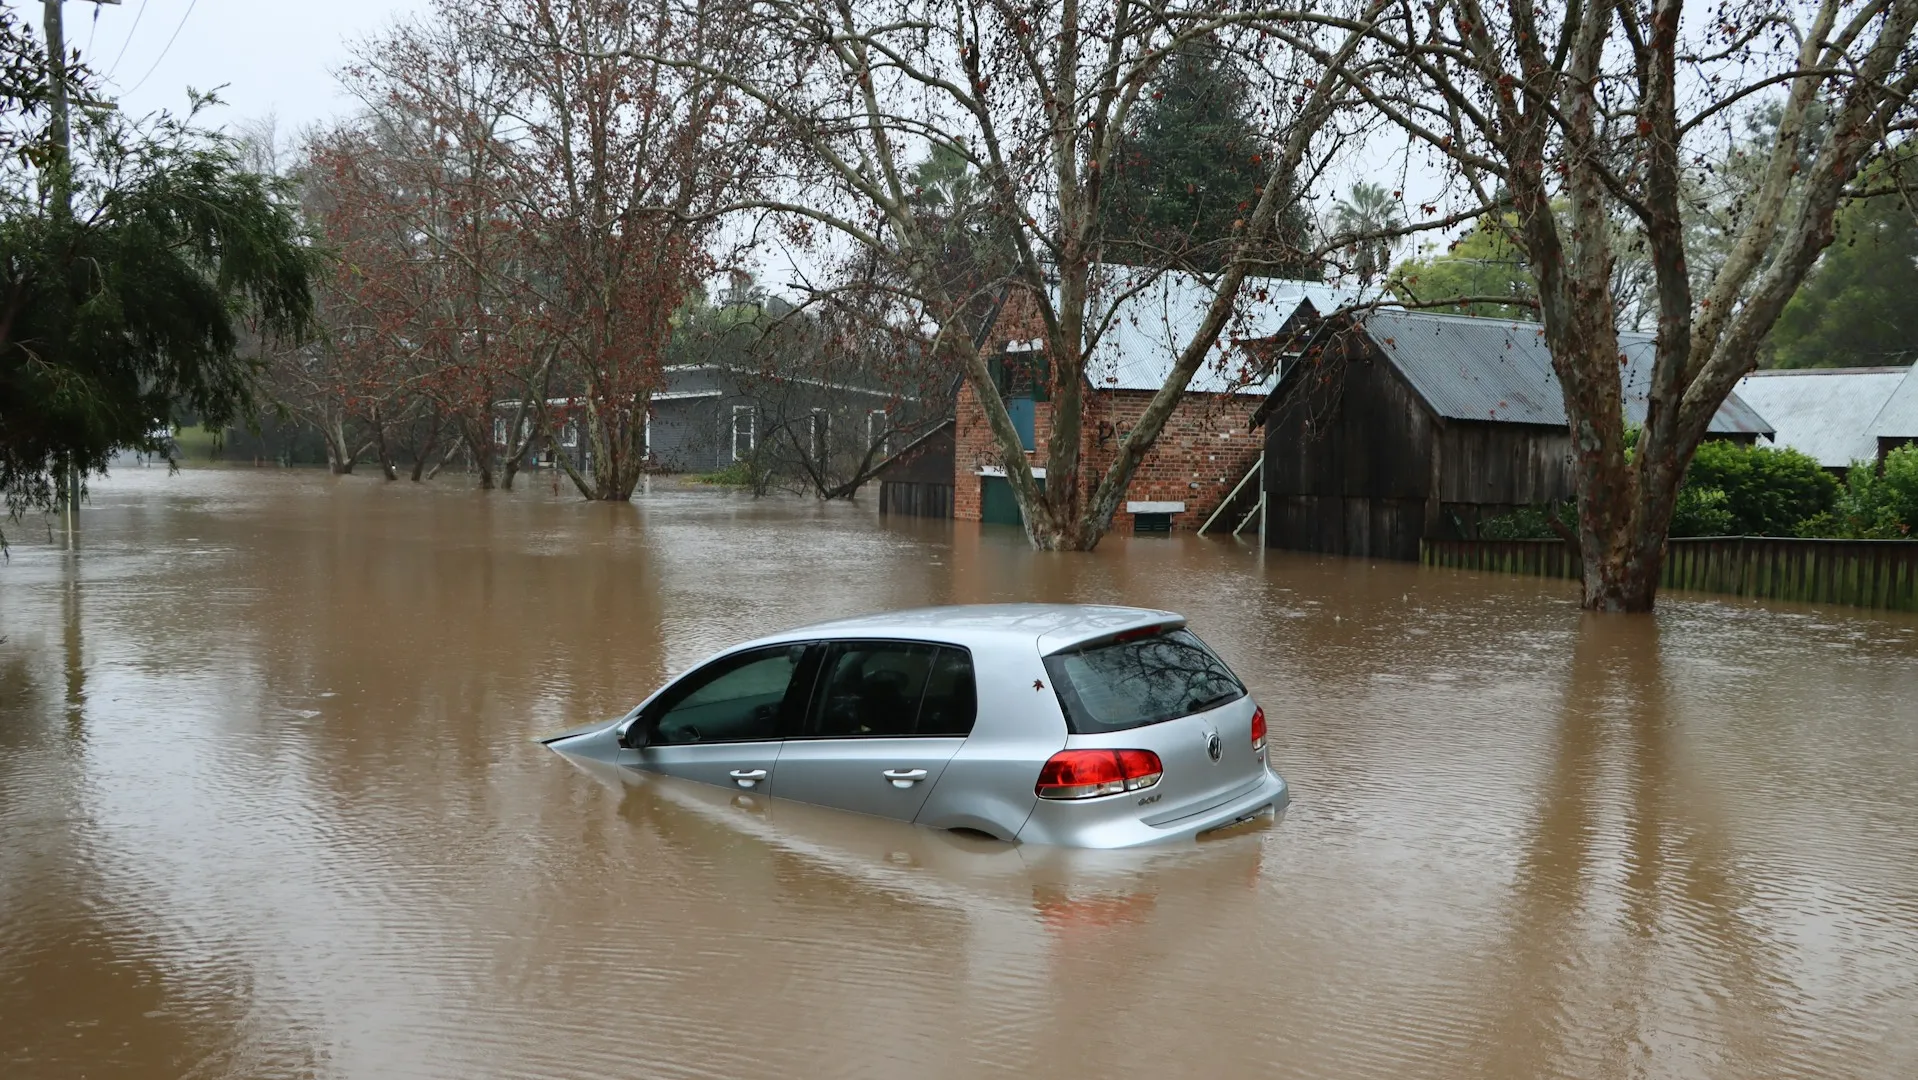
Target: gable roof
x,y
1827,413
1471,369
907,451
1150,327
1500,371
1899,417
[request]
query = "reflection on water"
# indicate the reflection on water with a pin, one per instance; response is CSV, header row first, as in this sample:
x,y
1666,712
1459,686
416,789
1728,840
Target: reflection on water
x,y
268,808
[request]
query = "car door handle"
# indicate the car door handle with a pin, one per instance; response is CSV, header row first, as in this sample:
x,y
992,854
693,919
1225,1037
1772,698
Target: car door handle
x,y
747,777
904,778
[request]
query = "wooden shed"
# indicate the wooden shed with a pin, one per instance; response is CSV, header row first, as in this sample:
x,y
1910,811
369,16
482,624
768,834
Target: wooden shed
x,y
917,481
1392,426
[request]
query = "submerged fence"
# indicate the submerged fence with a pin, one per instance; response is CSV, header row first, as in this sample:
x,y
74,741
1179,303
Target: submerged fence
x,y
1861,573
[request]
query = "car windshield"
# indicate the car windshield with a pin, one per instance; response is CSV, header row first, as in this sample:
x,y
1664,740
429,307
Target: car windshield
x,y
1135,681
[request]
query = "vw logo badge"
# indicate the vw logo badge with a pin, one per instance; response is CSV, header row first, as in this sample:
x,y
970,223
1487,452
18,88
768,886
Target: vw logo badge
x,y
1213,747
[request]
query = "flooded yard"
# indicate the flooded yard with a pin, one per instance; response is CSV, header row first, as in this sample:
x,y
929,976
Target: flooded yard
x,y
269,808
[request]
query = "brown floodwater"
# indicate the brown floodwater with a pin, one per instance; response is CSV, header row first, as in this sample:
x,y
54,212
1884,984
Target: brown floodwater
x,y
269,808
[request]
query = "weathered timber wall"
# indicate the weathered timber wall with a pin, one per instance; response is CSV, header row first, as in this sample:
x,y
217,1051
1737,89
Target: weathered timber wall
x,y
1356,464
1859,573
908,499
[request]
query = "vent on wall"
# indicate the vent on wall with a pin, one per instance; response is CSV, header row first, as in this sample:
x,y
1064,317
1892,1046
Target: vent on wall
x,y
1152,523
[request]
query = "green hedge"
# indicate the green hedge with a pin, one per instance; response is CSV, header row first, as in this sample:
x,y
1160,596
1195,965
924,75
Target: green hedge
x,y
1734,490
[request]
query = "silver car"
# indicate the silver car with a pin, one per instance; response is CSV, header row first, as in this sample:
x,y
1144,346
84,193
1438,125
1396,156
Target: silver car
x,y
1099,727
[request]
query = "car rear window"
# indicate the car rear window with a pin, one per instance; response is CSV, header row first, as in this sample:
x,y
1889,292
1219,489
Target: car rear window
x,y
1140,680
1134,681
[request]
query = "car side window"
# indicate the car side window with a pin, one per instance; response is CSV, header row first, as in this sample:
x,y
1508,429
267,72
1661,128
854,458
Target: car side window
x,y
951,702
881,689
737,699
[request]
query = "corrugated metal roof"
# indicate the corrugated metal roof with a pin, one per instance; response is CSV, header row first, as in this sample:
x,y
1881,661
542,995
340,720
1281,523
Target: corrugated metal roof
x,y
1826,413
1150,328
1899,418
1469,368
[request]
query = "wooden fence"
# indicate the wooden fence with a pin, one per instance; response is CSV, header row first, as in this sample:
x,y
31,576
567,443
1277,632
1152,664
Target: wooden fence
x,y
1861,573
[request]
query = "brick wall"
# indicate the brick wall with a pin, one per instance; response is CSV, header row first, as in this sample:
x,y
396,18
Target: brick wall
x,y
1204,450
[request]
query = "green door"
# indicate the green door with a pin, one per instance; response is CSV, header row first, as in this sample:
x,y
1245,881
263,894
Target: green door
x,y
996,504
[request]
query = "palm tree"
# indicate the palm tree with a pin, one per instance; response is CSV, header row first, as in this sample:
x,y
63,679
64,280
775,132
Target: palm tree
x,y
974,252
1368,211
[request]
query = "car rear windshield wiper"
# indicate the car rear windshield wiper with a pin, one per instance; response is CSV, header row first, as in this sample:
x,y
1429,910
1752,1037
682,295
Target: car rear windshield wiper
x,y
1197,706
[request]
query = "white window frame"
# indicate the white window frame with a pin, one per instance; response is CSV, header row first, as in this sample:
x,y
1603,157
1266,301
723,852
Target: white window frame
x,y
569,434
874,432
499,431
751,413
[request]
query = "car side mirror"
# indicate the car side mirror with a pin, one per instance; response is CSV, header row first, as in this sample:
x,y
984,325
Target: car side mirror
x,y
636,733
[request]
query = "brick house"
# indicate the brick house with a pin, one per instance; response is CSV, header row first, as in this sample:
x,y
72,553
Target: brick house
x,y
1208,446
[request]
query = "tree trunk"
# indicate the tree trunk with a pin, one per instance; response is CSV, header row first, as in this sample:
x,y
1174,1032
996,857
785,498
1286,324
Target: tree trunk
x,y
1624,514
478,437
1624,577
387,468
482,452
627,462
425,452
444,460
339,459
618,445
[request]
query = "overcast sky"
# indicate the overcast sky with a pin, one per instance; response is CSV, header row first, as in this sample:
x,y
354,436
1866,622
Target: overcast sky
x,y
278,57
272,56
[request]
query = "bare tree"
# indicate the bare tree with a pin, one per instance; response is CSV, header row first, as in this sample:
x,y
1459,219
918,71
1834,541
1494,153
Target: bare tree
x,y
341,380
1588,118
436,144
621,159
1034,100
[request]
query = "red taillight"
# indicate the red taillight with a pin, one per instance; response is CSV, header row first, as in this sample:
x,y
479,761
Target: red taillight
x,y
1084,774
1258,729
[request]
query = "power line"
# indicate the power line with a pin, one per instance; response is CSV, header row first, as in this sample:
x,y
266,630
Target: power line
x,y
137,16
167,49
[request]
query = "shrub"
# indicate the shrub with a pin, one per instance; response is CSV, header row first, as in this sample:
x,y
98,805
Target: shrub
x,y
1875,505
1897,489
1766,492
1733,490
1702,511
1525,523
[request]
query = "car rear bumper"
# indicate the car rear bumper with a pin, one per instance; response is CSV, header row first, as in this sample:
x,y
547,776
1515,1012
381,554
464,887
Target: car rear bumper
x,y
1055,824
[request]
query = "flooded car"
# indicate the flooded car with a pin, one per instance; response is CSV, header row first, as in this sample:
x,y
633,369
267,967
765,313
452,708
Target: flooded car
x,y
1075,725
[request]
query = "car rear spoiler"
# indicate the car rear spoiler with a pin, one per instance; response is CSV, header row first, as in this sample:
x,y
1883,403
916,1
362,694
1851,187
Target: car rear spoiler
x,y
1130,633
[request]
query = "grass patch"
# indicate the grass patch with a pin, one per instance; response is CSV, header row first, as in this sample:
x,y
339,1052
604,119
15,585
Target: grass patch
x,y
738,474
196,443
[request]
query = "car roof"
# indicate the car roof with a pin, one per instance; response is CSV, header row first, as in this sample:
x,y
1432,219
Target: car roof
x,y
1051,626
